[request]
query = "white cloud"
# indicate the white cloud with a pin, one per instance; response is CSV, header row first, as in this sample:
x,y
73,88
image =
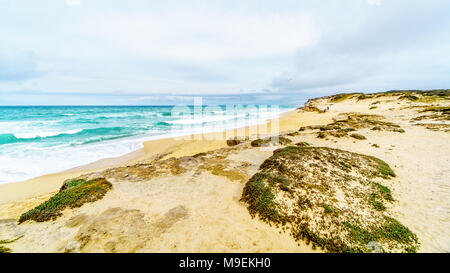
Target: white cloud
x,y
179,48
73,2
203,35
374,2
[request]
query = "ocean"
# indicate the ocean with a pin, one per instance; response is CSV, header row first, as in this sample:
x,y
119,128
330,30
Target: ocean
x,y
38,140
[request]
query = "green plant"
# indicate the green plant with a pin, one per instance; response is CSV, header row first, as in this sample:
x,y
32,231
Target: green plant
x,y
384,170
72,183
375,203
260,198
384,191
329,209
295,181
72,195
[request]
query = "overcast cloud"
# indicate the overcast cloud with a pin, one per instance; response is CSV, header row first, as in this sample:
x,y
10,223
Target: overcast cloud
x,y
162,52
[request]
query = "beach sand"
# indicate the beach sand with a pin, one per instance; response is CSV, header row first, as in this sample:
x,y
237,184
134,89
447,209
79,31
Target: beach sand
x,y
178,146
201,212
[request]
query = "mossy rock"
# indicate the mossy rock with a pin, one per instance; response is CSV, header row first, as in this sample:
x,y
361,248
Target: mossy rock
x,y
298,188
73,194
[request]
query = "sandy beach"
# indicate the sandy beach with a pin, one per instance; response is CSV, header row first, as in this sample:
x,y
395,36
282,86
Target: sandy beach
x,y
199,209
178,146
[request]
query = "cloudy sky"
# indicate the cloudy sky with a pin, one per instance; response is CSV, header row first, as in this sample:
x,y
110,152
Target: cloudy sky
x,y
165,52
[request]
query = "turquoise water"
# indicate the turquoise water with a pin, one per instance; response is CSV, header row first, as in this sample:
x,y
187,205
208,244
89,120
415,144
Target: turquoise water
x,y
36,140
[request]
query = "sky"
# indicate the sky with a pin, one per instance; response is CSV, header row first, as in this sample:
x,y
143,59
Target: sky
x,y
62,52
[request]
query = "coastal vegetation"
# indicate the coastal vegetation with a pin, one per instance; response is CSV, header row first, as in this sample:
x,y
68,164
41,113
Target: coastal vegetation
x,y
350,122
434,118
266,141
410,95
236,141
358,136
331,198
73,194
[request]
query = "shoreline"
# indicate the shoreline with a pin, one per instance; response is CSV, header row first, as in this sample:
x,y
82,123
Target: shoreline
x,y
138,142
201,142
206,186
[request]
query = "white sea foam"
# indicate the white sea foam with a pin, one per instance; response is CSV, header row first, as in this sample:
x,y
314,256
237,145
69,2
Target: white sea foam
x,y
32,135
